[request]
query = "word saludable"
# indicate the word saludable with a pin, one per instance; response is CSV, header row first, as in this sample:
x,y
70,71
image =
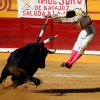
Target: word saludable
x,y
38,13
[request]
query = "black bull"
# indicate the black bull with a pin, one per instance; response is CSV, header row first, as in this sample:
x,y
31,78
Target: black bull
x,y
23,63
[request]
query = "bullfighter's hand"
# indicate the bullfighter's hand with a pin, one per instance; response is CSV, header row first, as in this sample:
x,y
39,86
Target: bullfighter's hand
x,y
48,16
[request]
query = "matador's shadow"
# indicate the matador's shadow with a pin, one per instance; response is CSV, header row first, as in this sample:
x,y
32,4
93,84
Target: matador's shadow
x,y
64,91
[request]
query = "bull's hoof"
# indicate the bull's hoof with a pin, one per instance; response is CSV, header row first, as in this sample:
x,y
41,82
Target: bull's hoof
x,y
36,81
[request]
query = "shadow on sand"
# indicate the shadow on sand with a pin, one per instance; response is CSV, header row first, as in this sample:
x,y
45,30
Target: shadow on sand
x,y
64,91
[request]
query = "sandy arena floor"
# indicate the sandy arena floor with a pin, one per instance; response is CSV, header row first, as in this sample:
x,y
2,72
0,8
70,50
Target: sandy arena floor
x,y
81,82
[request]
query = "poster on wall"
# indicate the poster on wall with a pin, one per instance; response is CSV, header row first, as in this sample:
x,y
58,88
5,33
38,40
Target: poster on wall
x,y
39,8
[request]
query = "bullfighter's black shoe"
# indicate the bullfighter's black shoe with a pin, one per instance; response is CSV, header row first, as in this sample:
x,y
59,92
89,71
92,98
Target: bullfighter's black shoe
x,y
65,65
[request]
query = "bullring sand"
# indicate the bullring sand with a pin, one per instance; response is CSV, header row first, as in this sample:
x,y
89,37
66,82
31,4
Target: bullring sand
x,y
62,57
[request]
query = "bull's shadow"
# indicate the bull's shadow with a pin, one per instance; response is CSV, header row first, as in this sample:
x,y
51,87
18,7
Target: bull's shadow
x,y
64,91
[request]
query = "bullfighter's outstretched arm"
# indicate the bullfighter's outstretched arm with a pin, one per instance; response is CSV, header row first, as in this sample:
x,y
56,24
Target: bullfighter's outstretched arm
x,y
61,18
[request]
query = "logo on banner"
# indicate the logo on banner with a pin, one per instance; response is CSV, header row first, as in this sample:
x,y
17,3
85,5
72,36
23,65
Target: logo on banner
x,y
27,9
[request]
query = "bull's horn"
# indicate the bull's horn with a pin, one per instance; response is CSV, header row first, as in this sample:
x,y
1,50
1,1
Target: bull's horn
x,y
49,39
50,51
42,30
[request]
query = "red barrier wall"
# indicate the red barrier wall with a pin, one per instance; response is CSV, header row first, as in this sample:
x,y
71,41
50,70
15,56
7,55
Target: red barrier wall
x,y
10,33
17,32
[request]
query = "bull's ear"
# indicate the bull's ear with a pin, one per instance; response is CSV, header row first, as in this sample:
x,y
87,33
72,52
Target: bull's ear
x,y
52,51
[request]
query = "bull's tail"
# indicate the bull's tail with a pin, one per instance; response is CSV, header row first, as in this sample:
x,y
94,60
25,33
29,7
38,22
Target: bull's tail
x,y
2,78
4,75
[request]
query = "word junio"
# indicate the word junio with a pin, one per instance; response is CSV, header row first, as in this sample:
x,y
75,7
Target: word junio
x,y
61,2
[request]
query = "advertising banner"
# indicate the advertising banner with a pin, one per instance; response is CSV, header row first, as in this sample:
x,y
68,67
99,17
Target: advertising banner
x,y
39,8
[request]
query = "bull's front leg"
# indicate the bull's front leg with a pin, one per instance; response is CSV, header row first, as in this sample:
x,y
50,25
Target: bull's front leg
x,y
35,80
32,79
